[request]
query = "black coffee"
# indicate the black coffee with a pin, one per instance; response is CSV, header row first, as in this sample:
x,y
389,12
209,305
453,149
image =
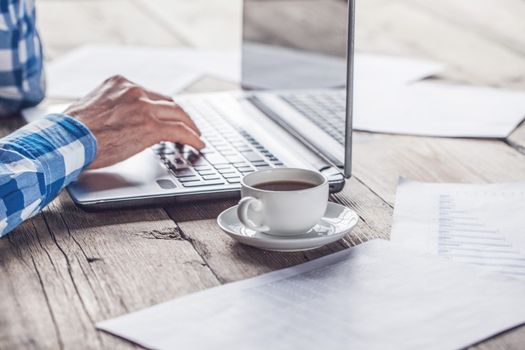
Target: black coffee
x,y
284,186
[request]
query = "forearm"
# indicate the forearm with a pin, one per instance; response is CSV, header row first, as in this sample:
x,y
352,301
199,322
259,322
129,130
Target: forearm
x,y
37,162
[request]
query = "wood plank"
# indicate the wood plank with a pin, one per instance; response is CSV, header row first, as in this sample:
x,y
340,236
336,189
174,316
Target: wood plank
x,y
499,22
318,26
380,159
517,138
145,257
511,340
389,27
200,23
231,261
7,125
66,269
65,25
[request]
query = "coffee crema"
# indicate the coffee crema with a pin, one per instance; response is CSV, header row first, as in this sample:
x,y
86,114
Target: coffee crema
x,y
284,186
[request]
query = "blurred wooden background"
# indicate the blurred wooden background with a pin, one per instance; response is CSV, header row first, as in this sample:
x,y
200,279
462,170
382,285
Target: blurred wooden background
x,y
453,32
66,269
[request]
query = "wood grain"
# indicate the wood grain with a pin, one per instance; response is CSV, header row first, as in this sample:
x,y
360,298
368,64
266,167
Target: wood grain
x,y
494,21
66,269
517,138
232,261
470,56
199,23
65,25
381,159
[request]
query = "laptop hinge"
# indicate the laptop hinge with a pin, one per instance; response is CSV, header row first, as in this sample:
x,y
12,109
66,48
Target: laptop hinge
x,y
310,144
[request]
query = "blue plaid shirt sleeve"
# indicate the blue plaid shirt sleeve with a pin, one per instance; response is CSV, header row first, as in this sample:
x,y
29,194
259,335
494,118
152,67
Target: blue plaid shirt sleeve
x,y
37,161
21,68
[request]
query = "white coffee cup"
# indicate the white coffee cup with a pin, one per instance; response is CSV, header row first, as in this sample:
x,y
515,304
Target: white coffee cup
x,y
288,212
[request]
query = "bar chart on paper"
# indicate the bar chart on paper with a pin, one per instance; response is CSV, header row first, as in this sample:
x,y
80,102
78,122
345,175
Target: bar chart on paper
x,y
481,225
471,236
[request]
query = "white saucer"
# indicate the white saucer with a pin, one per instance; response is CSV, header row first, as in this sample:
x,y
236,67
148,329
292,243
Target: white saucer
x,y
337,221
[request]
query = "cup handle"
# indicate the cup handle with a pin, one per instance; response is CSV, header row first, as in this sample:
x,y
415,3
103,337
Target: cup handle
x,y
245,204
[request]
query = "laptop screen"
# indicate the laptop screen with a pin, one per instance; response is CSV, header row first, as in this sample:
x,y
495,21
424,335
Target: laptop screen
x,y
298,44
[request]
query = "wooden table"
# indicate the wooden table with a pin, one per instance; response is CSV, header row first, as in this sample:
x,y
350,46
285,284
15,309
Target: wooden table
x,y
66,269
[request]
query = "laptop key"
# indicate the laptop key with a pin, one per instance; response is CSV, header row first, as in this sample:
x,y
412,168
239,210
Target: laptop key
x,y
197,160
211,177
222,148
235,159
234,181
252,156
187,172
245,168
207,172
207,150
243,148
189,179
231,176
262,167
227,170
215,158
229,153
202,168
203,183
175,163
222,166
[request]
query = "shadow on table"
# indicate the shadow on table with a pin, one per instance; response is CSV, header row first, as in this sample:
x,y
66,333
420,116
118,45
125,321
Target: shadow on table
x,y
180,212
199,210
265,261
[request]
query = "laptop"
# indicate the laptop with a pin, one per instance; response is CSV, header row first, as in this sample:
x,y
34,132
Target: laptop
x,y
295,110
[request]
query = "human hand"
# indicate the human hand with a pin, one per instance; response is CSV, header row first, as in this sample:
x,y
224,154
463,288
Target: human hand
x,y
127,118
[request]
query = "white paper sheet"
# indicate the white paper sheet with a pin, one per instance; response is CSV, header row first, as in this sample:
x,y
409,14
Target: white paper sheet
x,y
381,69
274,67
373,296
384,99
437,109
166,70
483,225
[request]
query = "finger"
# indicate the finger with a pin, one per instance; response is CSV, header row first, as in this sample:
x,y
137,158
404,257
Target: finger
x,y
178,132
155,96
170,111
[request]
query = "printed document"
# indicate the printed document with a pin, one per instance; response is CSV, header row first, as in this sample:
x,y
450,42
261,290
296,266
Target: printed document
x,y
165,70
437,109
278,68
481,225
373,296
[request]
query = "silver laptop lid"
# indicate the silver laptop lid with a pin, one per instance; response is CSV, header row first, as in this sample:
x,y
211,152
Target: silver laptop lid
x,y
300,44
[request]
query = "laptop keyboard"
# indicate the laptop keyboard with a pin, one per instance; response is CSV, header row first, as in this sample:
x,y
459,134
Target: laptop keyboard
x,y
230,152
325,109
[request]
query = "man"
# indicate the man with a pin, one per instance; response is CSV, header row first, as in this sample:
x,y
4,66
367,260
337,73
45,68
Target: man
x,y
115,121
